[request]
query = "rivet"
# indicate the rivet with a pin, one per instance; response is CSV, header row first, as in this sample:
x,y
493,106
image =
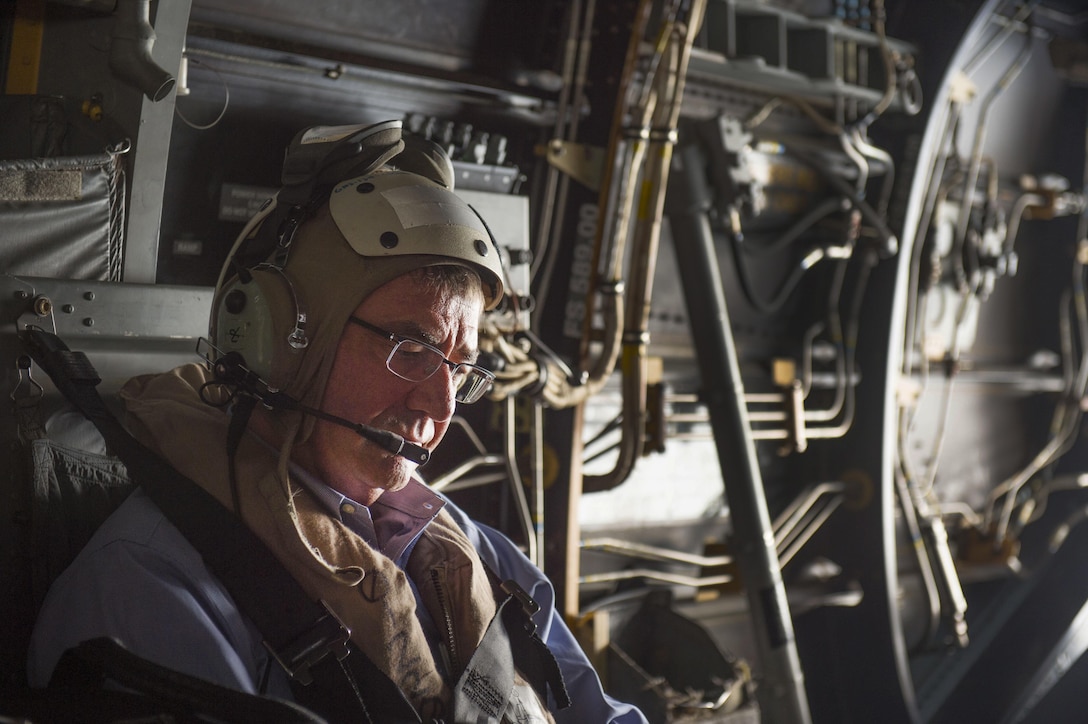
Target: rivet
x,y
481,247
88,322
365,188
389,240
89,296
68,309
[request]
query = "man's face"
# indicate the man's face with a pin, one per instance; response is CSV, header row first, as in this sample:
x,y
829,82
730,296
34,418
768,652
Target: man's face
x,y
362,389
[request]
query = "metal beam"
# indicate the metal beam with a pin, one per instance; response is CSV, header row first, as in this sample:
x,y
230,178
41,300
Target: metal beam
x,y
152,149
782,696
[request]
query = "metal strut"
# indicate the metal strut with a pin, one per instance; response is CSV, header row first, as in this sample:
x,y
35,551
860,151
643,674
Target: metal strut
x,y
783,696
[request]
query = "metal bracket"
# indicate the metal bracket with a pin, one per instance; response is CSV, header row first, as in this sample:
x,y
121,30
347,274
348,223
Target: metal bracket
x,y
583,163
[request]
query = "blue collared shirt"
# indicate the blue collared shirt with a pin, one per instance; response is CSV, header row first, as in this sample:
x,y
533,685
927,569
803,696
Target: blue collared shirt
x,y
391,525
139,580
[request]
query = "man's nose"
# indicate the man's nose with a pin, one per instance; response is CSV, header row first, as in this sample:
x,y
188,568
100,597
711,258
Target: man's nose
x,y
436,395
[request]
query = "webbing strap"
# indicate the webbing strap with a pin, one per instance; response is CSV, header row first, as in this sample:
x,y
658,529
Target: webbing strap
x,y
532,657
257,581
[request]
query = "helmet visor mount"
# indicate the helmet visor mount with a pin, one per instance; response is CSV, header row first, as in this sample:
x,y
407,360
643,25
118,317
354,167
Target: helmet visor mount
x,y
404,215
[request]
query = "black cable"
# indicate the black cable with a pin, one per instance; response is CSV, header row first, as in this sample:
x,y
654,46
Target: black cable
x,y
889,243
239,420
799,227
780,296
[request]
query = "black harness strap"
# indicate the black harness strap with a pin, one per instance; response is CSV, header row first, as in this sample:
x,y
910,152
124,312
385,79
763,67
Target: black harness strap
x,y
532,657
84,669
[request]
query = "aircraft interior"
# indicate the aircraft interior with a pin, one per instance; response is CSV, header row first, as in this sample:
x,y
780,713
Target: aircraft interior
x,y
793,357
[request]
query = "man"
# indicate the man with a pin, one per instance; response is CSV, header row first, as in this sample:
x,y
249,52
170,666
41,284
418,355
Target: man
x,y
352,317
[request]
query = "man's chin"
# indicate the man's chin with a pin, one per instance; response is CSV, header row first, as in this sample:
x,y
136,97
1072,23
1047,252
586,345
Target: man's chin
x,y
399,474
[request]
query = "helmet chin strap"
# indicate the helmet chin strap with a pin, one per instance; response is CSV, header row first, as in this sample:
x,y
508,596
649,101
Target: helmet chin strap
x,y
230,370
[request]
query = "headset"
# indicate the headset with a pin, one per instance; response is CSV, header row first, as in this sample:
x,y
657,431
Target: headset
x,y
242,310
381,210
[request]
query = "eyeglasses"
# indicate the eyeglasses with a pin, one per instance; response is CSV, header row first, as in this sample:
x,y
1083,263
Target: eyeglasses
x,y
415,361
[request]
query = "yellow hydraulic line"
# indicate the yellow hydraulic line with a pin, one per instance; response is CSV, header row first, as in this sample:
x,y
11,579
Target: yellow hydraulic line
x,y
661,116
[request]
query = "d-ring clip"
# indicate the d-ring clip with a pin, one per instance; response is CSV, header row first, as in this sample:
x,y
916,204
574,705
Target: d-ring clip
x,y
34,391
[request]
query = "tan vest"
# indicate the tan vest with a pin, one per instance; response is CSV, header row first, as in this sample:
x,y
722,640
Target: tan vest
x,y
364,588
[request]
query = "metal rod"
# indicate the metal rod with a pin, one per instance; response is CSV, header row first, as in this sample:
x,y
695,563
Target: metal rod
x,y
444,481
476,481
783,696
788,519
670,578
538,479
809,530
653,553
516,486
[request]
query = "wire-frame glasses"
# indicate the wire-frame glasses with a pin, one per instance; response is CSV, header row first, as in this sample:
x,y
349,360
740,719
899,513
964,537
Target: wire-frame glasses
x,y
415,361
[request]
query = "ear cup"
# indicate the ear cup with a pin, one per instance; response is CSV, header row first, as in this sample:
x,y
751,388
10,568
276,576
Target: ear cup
x,y
244,323
260,316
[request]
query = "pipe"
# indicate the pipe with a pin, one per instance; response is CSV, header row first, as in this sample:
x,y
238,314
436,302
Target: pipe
x,y
659,122
130,50
788,520
675,579
516,486
652,553
975,161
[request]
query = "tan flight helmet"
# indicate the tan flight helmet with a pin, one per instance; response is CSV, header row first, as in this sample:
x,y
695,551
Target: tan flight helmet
x,y
360,207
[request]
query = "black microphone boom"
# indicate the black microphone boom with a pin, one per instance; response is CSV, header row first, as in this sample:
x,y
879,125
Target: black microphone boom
x,y
385,439
231,370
